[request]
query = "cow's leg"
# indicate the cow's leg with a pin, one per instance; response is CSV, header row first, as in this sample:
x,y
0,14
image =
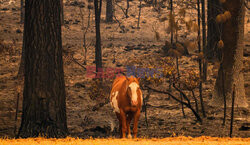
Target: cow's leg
x,y
123,120
136,119
129,118
120,123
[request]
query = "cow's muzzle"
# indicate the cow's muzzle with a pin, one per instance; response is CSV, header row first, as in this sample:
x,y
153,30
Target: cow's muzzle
x,y
134,103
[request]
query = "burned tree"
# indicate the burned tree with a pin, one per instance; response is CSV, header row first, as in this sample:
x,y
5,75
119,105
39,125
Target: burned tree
x,y
109,11
98,50
232,45
44,106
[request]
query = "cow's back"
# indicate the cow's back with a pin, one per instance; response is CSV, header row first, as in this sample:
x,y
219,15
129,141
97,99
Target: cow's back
x,y
117,84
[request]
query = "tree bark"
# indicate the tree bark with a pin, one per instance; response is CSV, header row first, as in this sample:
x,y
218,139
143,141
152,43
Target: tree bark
x,y
139,16
200,64
44,106
127,9
98,50
171,11
109,11
213,34
22,12
61,14
232,62
204,39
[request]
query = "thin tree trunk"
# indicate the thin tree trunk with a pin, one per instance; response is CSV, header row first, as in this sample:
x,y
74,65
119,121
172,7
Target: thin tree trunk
x,y
44,102
171,12
200,65
178,73
213,33
98,51
232,113
204,39
139,16
84,39
127,9
224,96
22,12
196,102
61,14
17,106
109,11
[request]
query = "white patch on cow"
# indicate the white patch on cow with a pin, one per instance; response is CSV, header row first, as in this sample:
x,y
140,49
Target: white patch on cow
x,y
114,102
133,86
129,136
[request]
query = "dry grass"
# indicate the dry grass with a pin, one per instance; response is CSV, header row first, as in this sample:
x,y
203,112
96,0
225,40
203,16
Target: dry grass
x,y
204,140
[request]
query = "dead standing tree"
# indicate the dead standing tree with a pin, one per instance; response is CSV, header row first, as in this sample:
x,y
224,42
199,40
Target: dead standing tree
x,y
233,41
98,50
139,16
109,11
204,39
200,64
22,12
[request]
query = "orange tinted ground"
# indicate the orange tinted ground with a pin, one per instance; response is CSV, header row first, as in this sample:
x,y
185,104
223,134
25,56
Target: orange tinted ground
x,y
165,141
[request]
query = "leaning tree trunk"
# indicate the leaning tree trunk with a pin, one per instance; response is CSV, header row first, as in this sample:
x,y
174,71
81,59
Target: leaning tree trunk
x,y
98,50
44,106
109,11
232,62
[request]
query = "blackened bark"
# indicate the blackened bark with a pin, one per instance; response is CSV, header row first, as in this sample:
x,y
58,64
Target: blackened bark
x,y
232,113
139,16
44,106
204,39
109,11
171,12
61,14
232,62
200,64
98,50
126,13
22,12
213,34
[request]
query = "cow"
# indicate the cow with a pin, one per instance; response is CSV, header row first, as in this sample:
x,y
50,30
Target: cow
x,y
126,100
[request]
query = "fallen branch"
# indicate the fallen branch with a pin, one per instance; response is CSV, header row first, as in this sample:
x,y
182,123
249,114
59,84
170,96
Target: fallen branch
x,y
188,104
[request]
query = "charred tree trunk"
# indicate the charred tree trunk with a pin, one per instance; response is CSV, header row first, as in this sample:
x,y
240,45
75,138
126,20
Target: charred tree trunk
x,y
171,12
98,50
200,64
61,14
126,13
204,39
213,33
44,106
232,113
22,12
109,11
232,62
139,16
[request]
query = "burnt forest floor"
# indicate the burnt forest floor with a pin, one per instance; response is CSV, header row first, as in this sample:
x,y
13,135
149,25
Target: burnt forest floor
x,y
164,114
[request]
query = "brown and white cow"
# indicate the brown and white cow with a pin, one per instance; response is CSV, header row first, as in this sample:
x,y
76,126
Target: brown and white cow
x,y
126,100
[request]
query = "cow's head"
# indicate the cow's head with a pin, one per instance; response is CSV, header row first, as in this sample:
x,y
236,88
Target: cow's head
x,y
133,90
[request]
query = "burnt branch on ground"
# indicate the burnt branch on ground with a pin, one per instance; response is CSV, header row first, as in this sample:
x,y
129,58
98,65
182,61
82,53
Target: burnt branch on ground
x,y
187,104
